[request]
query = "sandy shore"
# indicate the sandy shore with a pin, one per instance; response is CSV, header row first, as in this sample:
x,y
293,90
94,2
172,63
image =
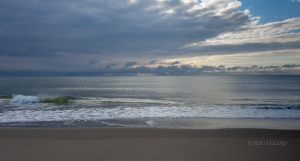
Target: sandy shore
x,y
142,144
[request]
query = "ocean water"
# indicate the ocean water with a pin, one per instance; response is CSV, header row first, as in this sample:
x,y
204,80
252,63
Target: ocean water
x,y
146,101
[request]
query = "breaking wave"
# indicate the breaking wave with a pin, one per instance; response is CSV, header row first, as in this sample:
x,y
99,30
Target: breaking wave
x,y
39,99
24,99
21,108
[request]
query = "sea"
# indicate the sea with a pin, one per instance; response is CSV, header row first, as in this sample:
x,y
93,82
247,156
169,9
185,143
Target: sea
x,y
192,102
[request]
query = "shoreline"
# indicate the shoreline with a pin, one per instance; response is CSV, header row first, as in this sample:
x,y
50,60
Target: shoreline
x,y
132,144
167,123
129,132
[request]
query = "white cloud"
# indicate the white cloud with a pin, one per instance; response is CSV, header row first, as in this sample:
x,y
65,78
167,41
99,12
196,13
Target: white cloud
x,y
271,32
252,38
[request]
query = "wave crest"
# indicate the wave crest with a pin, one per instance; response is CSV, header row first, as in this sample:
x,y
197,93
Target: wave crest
x,y
41,99
24,99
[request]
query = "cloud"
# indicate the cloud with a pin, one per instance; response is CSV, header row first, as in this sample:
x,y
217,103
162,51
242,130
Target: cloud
x,y
66,35
272,36
176,62
291,66
115,27
183,70
93,64
153,61
107,67
130,64
110,66
216,70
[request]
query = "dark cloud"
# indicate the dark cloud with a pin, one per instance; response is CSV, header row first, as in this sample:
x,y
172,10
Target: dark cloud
x,y
43,28
109,67
183,70
254,67
175,63
291,65
274,67
153,61
92,63
205,70
129,64
68,34
113,64
222,67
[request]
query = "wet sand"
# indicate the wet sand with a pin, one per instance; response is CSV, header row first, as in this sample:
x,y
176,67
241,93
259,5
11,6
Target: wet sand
x,y
143,144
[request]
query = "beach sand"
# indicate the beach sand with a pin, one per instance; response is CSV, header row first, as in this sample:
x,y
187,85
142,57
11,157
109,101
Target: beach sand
x,y
146,144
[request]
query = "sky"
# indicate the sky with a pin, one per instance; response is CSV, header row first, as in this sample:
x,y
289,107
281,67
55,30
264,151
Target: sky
x,y
149,37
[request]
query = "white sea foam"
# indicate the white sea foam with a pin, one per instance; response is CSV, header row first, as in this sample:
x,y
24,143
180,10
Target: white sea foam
x,y
63,113
151,122
24,99
126,100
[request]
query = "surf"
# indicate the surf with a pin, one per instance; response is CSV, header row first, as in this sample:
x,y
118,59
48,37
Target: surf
x,y
40,99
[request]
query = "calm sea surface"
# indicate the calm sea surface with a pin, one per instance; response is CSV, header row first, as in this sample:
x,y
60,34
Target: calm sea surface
x,y
95,101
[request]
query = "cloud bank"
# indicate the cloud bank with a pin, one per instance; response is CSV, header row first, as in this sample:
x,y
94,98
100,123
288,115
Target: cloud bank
x,y
173,70
190,70
114,27
76,35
